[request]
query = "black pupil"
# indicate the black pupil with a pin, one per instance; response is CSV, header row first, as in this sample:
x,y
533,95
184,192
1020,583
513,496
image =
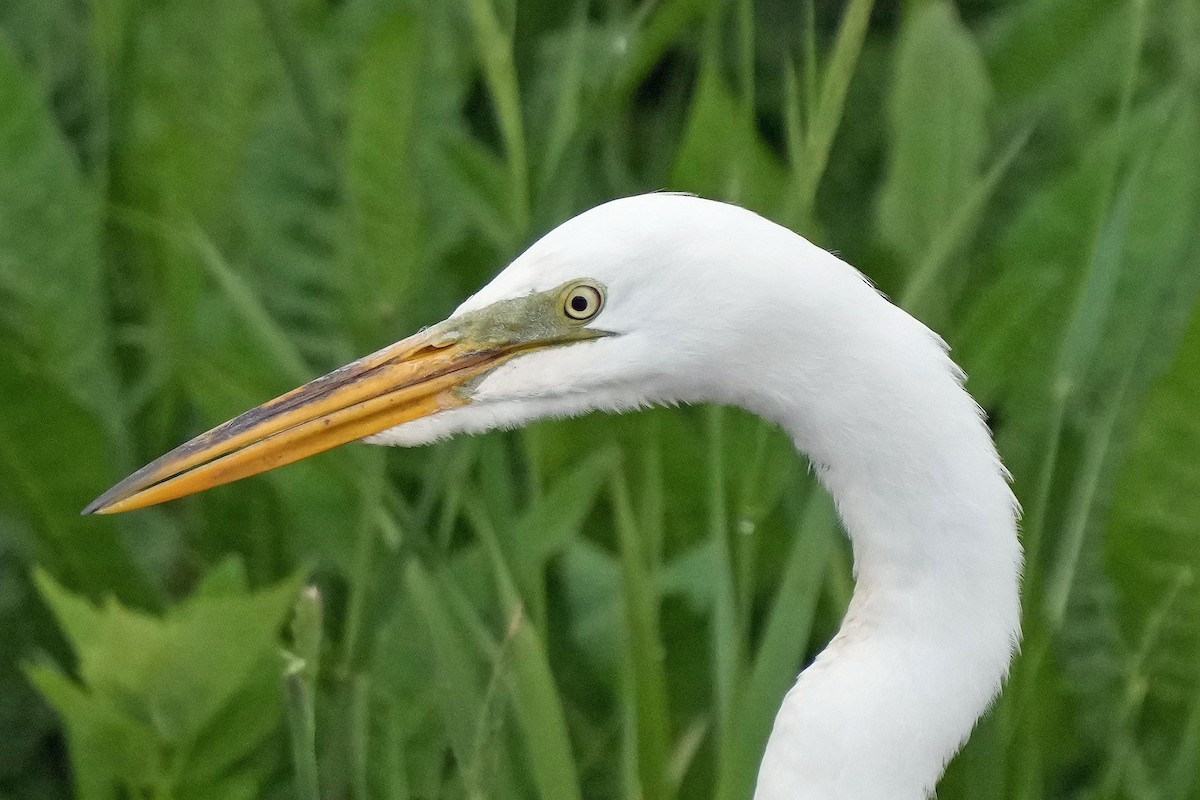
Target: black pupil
x,y
579,303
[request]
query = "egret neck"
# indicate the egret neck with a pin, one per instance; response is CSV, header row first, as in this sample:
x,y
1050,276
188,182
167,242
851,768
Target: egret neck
x,y
935,614
667,298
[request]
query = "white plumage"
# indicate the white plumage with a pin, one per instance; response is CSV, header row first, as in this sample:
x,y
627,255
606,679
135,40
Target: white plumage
x,y
668,298
712,303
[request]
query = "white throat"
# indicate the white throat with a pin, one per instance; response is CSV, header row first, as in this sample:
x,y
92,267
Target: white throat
x,y
709,302
935,615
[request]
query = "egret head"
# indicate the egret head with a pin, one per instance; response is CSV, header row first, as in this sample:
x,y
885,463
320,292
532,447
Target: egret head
x,y
628,304
671,299
638,301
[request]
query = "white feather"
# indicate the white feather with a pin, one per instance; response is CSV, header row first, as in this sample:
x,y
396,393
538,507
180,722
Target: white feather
x,y
712,303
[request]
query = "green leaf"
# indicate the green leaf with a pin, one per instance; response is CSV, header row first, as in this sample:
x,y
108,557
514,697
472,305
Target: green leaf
x,y
526,670
53,461
457,674
250,718
495,49
1140,287
190,75
957,230
728,635
478,181
227,577
784,642
52,297
547,527
650,711
383,207
1156,514
829,107
1055,51
938,113
1041,258
108,746
175,684
591,580
565,83
721,155
289,200
51,38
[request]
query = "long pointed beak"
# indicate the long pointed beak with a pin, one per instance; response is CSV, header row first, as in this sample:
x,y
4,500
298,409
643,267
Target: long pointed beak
x,y
411,379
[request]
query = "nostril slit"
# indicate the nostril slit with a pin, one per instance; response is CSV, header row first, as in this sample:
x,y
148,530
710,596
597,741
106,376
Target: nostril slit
x,y
435,346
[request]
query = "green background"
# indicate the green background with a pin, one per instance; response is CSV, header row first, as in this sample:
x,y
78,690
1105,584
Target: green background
x,y
206,202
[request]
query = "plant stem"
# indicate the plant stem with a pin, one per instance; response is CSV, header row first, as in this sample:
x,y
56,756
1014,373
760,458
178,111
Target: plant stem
x,y
303,734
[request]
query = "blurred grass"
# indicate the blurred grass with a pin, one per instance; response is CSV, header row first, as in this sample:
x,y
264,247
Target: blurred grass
x,y
204,203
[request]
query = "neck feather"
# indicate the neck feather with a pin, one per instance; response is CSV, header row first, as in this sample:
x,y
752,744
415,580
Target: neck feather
x,y
935,615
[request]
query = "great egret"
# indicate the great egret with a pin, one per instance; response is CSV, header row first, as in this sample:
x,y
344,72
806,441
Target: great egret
x,y
668,298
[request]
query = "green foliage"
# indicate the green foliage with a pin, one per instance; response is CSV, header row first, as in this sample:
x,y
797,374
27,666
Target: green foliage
x,y
383,237
203,204
938,111
1154,542
50,270
171,707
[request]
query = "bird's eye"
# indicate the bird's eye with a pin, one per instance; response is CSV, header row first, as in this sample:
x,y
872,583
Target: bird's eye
x,y
582,302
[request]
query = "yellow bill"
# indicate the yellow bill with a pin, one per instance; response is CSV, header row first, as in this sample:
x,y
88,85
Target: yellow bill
x,y
429,372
